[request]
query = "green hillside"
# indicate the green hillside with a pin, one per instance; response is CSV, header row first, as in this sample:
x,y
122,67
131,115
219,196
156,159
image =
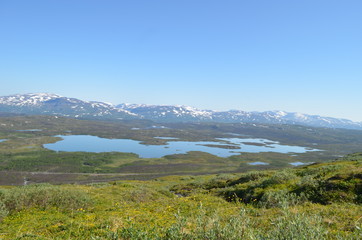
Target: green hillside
x,y
320,201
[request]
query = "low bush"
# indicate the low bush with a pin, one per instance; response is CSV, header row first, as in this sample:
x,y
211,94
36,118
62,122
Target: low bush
x,y
281,199
248,177
199,227
280,177
297,226
42,196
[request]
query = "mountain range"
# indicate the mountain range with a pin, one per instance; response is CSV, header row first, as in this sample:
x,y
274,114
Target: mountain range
x,y
53,104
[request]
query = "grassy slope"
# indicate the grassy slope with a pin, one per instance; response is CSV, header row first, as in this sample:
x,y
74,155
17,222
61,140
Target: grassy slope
x,y
321,201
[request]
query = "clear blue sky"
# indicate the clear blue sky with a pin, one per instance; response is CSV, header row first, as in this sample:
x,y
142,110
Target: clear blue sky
x,y
301,56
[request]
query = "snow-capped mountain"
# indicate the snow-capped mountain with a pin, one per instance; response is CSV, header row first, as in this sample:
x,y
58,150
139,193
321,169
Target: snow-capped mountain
x,y
189,114
168,113
27,99
52,104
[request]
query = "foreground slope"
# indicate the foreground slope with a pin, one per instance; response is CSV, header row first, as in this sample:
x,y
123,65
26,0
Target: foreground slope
x,y
321,201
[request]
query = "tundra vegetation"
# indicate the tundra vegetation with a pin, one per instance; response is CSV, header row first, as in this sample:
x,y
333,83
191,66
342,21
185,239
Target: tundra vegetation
x,y
319,201
23,156
183,196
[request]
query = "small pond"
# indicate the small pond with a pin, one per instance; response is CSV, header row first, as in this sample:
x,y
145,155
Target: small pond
x,y
300,163
258,163
224,148
2,140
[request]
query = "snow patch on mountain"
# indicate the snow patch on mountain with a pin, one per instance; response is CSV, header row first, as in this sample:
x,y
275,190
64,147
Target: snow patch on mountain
x,y
27,99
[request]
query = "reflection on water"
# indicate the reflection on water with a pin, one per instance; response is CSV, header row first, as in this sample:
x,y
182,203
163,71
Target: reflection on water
x,y
87,143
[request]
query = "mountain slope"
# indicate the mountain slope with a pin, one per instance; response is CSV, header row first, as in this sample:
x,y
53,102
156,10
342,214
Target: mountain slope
x,y
169,113
52,104
189,114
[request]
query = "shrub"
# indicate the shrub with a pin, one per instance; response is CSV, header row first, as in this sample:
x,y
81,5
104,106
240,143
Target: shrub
x,y
144,194
279,178
248,177
42,196
3,211
297,226
199,228
321,171
281,198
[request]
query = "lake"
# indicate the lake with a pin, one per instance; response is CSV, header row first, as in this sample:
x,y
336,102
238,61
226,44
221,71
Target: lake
x,y
226,147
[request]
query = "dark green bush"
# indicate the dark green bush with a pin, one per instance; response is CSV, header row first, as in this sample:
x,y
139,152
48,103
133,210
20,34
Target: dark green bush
x,y
279,177
248,177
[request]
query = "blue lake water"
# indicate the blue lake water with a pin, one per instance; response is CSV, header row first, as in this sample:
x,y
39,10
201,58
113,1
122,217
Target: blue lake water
x,y
258,163
85,143
2,140
166,138
300,163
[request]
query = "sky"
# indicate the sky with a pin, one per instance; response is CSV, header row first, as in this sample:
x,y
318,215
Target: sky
x,y
297,56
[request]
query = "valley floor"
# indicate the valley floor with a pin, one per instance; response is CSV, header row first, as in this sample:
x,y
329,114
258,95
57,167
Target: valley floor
x,y
25,160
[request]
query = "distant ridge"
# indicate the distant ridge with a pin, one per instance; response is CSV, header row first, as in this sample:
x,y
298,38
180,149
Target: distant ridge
x,y
53,104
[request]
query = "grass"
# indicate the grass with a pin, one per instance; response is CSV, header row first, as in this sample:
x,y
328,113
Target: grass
x,y
299,203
